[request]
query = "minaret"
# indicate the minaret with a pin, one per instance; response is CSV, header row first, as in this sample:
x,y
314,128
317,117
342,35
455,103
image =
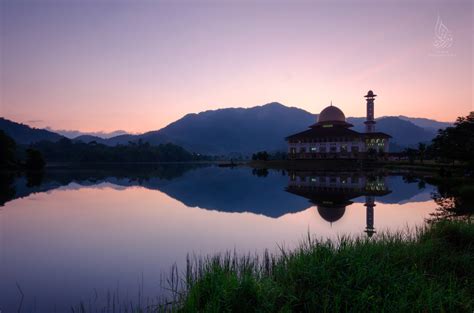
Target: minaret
x,y
370,122
370,204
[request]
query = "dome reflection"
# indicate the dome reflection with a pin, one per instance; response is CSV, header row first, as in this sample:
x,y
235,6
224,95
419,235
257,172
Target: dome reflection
x,y
332,192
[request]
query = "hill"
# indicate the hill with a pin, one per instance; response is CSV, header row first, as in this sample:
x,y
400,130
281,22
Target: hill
x,y
24,134
72,134
246,130
241,131
426,123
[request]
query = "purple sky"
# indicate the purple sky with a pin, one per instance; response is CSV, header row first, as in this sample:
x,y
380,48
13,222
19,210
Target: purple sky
x,y
139,65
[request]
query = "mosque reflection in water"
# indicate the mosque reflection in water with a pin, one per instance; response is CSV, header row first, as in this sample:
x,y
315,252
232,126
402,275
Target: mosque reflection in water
x,y
331,193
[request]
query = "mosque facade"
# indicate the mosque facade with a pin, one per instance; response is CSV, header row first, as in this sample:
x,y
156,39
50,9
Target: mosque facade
x,y
331,137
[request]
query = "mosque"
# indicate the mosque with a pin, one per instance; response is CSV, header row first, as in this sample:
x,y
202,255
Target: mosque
x,y
331,137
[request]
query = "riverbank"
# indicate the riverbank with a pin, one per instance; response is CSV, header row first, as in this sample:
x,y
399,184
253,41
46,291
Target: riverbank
x,y
354,165
430,271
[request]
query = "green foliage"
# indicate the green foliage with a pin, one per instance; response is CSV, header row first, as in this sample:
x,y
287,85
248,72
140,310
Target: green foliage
x,y
455,143
34,160
7,150
428,272
66,150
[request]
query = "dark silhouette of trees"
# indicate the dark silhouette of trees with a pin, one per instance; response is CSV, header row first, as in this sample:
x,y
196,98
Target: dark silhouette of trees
x,y
455,143
421,151
455,199
410,153
260,156
66,150
7,150
260,172
34,160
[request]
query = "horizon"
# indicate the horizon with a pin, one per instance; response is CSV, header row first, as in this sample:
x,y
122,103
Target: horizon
x,y
102,67
74,133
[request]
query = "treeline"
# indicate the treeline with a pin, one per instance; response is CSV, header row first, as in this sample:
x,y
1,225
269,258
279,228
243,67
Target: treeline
x,y
265,156
455,143
66,150
13,157
35,156
452,144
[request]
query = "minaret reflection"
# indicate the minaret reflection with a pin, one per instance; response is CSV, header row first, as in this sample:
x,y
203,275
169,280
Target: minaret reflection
x,y
369,215
332,192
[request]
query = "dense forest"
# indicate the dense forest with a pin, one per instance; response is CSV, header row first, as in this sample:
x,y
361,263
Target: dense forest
x,y
66,150
35,155
455,143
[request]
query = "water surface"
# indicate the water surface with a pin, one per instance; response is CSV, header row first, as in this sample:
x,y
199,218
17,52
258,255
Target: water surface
x,y
72,236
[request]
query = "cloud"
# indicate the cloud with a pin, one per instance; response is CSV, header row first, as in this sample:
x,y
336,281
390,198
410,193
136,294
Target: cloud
x,y
34,121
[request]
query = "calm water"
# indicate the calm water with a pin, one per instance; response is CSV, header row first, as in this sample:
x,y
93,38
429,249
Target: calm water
x,y
73,236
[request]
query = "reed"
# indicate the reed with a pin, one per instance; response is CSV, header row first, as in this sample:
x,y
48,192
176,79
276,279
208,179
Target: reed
x,y
426,270
429,270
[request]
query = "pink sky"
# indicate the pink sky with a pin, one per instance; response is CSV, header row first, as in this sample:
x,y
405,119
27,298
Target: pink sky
x,y
137,66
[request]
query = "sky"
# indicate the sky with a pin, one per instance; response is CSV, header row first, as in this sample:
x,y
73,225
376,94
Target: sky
x,y
102,65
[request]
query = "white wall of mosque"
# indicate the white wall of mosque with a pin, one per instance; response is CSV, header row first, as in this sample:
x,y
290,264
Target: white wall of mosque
x,y
378,144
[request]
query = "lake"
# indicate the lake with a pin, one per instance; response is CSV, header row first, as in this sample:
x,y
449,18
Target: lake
x,y
88,235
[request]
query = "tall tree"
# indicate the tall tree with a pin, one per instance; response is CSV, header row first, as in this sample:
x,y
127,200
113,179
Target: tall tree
x,y
456,143
7,150
421,151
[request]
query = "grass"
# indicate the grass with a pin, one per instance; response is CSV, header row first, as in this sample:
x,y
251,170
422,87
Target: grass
x,y
429,271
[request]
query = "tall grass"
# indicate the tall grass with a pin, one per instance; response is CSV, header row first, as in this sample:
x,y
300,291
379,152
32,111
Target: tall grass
x,y
431,270
428,270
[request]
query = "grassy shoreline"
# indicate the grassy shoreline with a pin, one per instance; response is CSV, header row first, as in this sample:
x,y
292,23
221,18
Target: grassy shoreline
x,y
429,271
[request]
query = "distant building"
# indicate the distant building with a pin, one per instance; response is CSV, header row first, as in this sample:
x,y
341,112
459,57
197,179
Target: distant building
x,y
332,138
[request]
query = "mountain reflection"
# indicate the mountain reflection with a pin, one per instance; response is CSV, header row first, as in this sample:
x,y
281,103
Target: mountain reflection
x,y
270,193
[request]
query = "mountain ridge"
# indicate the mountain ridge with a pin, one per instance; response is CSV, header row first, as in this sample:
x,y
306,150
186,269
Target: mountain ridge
x,y
25,134
238,130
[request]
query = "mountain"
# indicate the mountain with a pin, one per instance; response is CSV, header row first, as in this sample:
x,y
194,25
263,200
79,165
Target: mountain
x,y
247,130
242,131
24,134
117,140
73,134
227,131
90,138
426,123
404,133
234,130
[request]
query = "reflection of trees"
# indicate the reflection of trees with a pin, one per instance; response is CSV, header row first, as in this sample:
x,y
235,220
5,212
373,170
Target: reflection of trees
x,y
260,172
34,179
421,184
411,179
7,190
455,201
